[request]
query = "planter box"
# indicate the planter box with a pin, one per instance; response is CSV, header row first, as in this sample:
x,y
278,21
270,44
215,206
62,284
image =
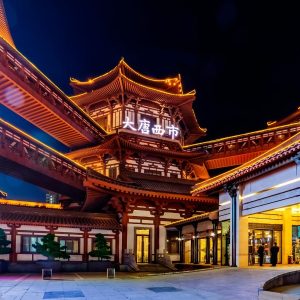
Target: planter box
x,y
55,265
3,266
24,267
74,266
100,266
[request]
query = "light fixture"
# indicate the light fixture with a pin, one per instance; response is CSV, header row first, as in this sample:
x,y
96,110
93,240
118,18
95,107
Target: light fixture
x,y
224,203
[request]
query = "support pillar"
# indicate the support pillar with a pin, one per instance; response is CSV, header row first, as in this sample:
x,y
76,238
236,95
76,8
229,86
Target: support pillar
x,y
156,235
117,250
85,256
207,260
232,191
195,245
286,235
124,233
215,241
243,241
180,244
13,245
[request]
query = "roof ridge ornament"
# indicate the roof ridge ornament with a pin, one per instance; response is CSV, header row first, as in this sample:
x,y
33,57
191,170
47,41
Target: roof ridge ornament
x,y
4,28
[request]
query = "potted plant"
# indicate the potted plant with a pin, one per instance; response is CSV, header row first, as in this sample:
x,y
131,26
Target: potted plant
x,y
4,249
52,249
101,251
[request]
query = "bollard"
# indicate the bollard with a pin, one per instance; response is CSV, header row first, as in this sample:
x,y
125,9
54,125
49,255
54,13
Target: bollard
x,y
46,274
111,273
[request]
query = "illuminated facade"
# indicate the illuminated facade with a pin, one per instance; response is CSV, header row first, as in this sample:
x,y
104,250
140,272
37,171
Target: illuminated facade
x,y
126,133
260,205
135,174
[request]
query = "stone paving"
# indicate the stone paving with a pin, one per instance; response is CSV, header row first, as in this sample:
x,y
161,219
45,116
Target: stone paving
x,y
223,283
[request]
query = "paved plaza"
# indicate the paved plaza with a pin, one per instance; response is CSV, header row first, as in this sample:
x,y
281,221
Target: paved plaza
x,y
223,283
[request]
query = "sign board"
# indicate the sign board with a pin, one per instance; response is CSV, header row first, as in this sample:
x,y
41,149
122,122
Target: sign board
x,y
145,128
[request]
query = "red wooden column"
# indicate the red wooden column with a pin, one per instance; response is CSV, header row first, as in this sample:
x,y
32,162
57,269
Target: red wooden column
x,y
124,232
117,250
13,245
85,256
157,213
156,234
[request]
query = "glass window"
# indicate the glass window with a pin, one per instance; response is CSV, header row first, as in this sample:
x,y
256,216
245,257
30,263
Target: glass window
x,y
28,241
296,243
187,251
72,245
112,172
258,237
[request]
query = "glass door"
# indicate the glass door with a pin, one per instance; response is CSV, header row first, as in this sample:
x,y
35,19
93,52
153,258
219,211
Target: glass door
x,y
202,250
187,251
142,245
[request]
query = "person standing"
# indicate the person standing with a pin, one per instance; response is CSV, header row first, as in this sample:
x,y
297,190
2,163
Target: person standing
x,y
274,254
261,253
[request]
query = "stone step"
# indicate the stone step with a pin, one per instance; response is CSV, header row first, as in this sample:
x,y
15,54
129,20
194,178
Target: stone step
x,y
155,268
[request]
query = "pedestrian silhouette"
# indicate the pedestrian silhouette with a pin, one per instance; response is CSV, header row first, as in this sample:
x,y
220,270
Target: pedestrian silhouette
x,y
261,253
274,254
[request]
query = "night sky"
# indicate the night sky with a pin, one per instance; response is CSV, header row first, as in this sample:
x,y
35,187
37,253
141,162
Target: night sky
x,y
242,57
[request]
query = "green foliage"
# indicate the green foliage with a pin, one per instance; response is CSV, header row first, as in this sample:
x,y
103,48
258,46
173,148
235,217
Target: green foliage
x,y
4,243
51,248
102,250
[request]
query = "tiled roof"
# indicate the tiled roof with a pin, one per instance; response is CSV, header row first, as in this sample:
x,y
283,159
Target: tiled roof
x,y
98,181
162,184
43,216
4,29
283,151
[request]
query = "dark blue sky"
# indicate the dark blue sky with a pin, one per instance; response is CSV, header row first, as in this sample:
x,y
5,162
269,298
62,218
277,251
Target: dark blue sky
x,y
242,57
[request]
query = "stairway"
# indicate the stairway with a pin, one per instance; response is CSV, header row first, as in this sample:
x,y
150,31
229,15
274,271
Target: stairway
x,y
153,268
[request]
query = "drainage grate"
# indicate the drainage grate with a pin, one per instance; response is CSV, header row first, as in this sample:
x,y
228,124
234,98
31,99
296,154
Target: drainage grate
x,y
163,289
63,294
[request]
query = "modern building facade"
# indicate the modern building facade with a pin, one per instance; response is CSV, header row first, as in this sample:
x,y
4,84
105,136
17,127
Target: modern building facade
x,y
259,201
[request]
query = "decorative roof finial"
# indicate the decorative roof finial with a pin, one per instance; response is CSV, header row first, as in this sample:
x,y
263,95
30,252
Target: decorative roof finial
x,y
4,28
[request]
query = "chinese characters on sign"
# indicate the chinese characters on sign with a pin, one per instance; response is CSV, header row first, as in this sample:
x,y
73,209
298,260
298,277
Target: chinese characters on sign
x,y
145,127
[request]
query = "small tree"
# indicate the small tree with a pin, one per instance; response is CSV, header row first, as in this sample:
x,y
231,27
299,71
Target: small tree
x,y
51,248
102,250
4,243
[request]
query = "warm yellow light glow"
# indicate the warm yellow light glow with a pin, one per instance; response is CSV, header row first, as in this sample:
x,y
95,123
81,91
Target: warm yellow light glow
x,y
29,204
295,210
279,209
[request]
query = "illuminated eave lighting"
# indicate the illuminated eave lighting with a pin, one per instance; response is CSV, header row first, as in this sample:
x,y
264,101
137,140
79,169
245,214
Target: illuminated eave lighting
x,y
51,82
214,181
224,203
271,188
30,204
42,144
242,135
